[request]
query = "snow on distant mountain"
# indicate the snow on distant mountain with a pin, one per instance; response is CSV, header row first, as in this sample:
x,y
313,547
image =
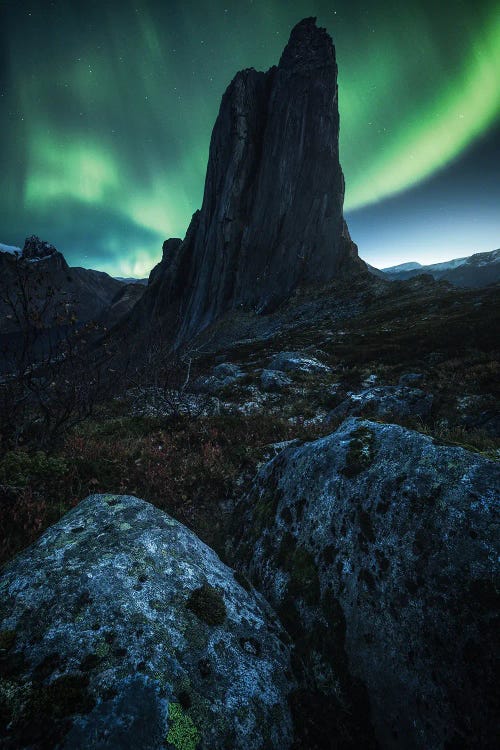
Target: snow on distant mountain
x,y
402,267
11,249
447,265
444,266
478,270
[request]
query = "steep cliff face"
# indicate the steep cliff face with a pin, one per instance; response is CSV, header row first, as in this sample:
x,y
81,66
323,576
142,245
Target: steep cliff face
x,y
271,218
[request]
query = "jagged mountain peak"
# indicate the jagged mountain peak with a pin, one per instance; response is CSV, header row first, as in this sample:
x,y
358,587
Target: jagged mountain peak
x,y
309,46
272,220
36,249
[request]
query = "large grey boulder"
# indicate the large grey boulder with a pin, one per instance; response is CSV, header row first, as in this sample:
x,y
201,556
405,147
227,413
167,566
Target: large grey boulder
x,y
274,380
296,362
379,548
120,629
222,376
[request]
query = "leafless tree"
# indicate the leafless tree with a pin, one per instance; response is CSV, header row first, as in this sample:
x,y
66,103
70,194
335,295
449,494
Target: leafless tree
x,y
53,374
163,381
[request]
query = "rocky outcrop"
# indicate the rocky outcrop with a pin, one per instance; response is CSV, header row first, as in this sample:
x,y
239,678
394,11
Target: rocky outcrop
x,y
121,304
378,547
119,628
38,285
221,376
273,380
386,402
36,249
271,219
169,250
296,362
478,270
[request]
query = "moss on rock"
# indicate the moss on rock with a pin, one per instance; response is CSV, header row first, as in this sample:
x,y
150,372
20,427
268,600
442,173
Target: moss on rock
x,y
182,733
208,605
299,563
360,453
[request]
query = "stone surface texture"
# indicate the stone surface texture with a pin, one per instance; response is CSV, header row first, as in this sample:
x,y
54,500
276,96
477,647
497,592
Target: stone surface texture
x,y
119,628
386,401
378,548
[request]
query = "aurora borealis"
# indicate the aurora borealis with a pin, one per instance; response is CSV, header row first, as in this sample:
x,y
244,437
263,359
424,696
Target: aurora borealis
x,y
107,110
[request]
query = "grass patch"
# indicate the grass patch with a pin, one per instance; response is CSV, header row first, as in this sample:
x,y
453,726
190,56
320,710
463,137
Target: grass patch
x,y
192,467
187,467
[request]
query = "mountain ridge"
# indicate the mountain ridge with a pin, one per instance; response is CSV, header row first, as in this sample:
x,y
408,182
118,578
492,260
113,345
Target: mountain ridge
x,y
84,293
479,269
271,219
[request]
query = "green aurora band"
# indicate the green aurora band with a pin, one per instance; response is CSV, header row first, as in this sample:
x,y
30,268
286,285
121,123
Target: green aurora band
x,y
107,123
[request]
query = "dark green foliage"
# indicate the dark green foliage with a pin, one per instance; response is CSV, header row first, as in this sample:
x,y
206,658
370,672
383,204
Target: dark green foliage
x,y
187,469
19,468
208,605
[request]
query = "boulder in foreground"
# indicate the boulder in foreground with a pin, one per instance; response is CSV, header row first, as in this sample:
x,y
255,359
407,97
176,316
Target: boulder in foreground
x,y
120,629
378,547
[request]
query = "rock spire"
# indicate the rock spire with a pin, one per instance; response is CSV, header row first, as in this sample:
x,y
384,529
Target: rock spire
x,y
272,214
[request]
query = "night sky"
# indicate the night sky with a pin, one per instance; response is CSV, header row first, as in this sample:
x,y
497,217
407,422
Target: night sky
x,y
107,109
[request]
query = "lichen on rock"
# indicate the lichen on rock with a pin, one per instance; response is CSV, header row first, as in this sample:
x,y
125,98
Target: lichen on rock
x,y
380,554
360,452
182,733
120,628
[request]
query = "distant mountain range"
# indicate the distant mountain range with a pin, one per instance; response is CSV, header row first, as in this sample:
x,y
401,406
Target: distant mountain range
x,y
82,293
131,280
478,270
94,295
